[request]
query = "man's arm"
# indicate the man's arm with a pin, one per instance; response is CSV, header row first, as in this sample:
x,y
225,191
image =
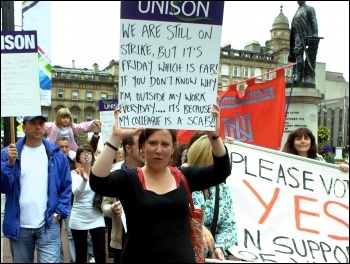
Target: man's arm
x,y
313,21
65,189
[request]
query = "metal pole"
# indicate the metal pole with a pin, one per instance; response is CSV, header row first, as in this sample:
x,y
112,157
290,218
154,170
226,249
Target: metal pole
x,y
343,124
8,24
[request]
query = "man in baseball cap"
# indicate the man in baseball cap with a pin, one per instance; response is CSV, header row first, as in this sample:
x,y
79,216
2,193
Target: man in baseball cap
x,y
30,118
35,163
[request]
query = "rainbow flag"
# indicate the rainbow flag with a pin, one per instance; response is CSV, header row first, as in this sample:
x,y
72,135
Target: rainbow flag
x,y
36,15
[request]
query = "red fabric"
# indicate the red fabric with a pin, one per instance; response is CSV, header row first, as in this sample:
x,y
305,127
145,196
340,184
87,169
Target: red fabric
x,y
183,136
142,177
256,116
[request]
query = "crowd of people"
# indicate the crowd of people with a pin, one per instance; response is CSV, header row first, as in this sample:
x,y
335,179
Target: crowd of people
x,y
144,207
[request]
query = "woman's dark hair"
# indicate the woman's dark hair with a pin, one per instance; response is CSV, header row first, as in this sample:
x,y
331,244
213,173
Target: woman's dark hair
x,y
299,132
148,132
178,156
83,148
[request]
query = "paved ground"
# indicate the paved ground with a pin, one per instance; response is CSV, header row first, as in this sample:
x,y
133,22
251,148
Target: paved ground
x,y
5,247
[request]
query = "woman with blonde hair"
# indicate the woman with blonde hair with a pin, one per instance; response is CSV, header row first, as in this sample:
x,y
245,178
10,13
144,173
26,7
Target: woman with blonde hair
x,y
65,127
224,236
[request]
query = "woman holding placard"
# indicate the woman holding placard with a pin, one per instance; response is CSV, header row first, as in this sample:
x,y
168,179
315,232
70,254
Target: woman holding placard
x,y
154,199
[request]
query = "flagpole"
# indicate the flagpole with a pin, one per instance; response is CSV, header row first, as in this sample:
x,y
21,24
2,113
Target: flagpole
x,y
8,23
283,67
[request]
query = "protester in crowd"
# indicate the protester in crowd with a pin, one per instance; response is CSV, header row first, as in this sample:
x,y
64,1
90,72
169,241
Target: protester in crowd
x,y
302,142
225,234
63,144
154,200
84,216
111,206
36,179
65,127
184,157
119,156
193,138
180,150
94,139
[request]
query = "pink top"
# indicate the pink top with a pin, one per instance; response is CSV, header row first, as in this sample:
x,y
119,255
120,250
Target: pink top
x,y
52,132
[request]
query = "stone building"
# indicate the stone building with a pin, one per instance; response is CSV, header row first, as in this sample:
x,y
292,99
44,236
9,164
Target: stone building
x,y
255,60
80,89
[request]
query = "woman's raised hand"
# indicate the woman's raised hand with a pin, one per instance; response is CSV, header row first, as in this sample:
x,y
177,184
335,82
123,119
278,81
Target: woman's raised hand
x,y
123,132
216,112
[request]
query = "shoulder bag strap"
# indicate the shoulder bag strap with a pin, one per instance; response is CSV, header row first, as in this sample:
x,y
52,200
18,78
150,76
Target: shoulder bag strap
x,y
184,182
216,212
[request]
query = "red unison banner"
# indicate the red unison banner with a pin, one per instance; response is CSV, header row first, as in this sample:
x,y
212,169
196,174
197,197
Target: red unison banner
x,y
256,116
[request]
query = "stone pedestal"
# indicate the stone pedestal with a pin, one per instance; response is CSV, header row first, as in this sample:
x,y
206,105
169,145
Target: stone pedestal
x,y
302,109
338,153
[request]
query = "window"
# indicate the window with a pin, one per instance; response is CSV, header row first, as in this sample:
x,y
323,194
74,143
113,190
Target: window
x,y
89,117
103,96
224,69
285,58
74,95
88,77
236,72
246,72
45,114
89,96
268,76
287,72
225,83
257,73
75,117
60,94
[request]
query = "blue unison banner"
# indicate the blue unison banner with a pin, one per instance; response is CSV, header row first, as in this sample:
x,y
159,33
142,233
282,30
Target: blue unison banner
x,y
194,12
107,105
19,42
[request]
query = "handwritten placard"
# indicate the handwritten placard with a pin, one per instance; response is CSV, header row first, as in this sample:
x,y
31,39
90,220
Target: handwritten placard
x,y
168,67
288,209
20,92
106,109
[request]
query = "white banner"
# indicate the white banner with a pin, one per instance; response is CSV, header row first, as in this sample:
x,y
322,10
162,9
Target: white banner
x,y
36,15
169,63
288,209
20,94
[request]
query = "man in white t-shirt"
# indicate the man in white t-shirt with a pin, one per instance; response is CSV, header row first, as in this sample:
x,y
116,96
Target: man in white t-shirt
x,y
36,178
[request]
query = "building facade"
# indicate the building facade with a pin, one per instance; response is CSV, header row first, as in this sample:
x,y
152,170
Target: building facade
x,y
80,89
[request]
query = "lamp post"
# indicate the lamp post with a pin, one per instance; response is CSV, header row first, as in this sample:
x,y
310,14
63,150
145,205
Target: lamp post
x,y
8,23
343,143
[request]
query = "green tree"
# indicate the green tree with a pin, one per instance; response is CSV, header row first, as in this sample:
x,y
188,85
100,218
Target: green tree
x,y
324,149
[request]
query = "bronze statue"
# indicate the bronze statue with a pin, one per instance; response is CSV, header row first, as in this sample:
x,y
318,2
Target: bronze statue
x,y
304,38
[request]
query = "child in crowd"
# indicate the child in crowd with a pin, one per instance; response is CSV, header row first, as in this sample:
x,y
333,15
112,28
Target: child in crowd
x,y
65,127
